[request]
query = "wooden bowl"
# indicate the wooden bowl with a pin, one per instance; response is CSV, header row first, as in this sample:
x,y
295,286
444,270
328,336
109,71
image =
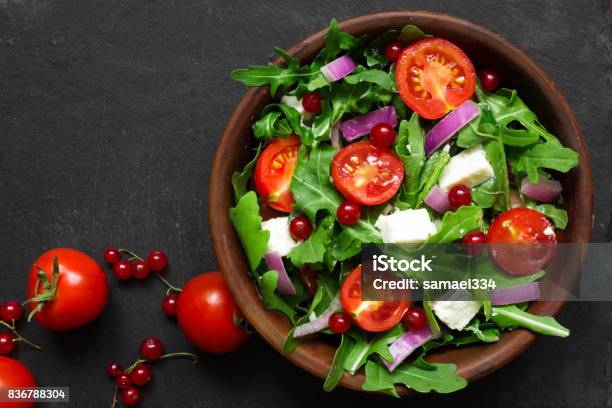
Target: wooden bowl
x,y
484,47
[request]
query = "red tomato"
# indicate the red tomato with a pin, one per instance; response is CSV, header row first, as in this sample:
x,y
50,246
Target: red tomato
x,y
14,374
82,289
209,315
273,172
366,174
373,316
434,76
521,241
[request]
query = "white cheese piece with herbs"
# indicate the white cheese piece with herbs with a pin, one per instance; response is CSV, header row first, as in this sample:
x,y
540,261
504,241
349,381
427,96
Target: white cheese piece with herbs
x,y
470,168
280,239
456,314
410,226
296,104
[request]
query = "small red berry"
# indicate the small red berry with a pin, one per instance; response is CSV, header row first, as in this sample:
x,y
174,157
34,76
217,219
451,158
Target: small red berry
x,y
170,304
11,311
489,79
393,50
300,228
123,381
414,318
7,345
151,348
157,260
140,269
382,135
459,195
311,102
348,212
112,255
122,269
141,374
131,396
474,242
114,369
340,322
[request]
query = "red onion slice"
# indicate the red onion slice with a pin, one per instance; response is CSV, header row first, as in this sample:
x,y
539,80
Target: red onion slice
x,y
437,199
320,322
545,190
336,141
449,125
338,68
401,348
284,284
361,125
515,294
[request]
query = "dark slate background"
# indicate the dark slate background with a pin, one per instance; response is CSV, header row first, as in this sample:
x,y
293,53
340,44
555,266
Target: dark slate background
x,y
110,112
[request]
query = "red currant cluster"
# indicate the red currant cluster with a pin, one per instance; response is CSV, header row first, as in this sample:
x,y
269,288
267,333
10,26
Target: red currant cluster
x,y
11,312
140,373
134,265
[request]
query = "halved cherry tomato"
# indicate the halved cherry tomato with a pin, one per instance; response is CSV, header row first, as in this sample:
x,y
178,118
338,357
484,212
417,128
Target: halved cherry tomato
x,y
434,76
273,172
366,174
374,316
521,241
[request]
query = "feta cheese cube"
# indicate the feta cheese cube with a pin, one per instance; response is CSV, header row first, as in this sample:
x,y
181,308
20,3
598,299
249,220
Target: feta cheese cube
x,y
280,239
296,104
456,314
411,226
470,168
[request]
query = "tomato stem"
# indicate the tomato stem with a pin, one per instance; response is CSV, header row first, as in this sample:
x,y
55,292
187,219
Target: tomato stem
x,y
49,288
18,336
133,255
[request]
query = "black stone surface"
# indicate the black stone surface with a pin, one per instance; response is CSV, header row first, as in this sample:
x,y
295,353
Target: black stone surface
x,y
110,112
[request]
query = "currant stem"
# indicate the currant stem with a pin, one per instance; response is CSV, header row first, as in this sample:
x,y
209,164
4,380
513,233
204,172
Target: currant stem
x,y
133,255
114,404
195,358
18,336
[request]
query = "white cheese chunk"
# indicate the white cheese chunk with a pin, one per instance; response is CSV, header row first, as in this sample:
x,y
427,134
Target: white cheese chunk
x,y
411,226
470,168
456,314
296,104
280,239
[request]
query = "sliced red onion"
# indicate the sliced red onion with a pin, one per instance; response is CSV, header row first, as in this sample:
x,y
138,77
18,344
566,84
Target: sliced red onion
x,y
401,348
544,191
515,294
361,125
284,284
449,125
338,68
437,199
321,322
336,141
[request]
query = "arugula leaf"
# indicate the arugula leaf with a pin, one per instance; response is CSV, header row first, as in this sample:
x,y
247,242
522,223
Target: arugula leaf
x,y
557,215
374,52
456,224
271,299
311,184
337,371
548,155
375,76
509,317
313,249
484,332
348,243
410,135
364,348
271,125
292,120
247,222
431,174
431,318
336,41
240,179
411,34
480,130
442,379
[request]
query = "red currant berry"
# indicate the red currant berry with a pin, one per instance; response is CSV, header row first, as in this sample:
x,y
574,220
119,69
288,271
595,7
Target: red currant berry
x,y
474,242
11,311
141,374
123,381
489,79
393,50
459,195
300,228
131,396
157,260
414,318
340,322
348,212
7,345
170,304
114,369
312,102
382,135
140,269
151,348
112,255
122,269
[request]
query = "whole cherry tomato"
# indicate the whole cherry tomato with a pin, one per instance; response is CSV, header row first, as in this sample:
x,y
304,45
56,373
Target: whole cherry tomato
x,y
13,374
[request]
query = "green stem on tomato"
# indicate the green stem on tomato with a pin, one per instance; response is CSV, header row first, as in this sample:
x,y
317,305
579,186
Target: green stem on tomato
x,y
133,255
18,336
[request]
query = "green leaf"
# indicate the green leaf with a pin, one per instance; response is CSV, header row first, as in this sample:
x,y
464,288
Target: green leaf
x,y
348,243
557,215
442,379
456,224
313,249
240,179
290,118
336,41
431,318
375,76
272,124
480,130
375,53
549,155
247,222
335,373
311,184
410,135
365,348
483,331
431,174
509,317
411,34
270,297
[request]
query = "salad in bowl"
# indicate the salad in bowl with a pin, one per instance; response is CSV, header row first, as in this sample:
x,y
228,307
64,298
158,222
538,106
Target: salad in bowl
x,y
394,139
